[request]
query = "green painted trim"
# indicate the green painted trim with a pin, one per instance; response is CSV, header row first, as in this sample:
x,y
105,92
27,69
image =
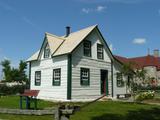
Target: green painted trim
x,y
112,78
29,75
41,46
107,91
69,77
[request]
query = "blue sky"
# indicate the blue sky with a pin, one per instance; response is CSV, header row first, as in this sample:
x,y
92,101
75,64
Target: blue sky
x,y
130,27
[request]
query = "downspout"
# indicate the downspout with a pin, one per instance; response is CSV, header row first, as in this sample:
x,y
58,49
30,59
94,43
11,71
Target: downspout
x,y
112,77
69,77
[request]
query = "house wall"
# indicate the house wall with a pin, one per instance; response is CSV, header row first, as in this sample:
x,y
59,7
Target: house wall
x,y
78,60
46,66
116,89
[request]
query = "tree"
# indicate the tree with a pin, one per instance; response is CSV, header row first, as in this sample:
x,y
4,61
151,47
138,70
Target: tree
x,y
140,74
22,72
6,70
127,70
14,74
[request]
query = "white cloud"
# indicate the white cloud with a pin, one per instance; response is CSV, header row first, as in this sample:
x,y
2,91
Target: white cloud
x,y
97,9
139,41
86,10
100,8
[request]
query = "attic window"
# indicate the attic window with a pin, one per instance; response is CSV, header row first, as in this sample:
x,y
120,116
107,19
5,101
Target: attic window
x,y
46,51
99,51
87,48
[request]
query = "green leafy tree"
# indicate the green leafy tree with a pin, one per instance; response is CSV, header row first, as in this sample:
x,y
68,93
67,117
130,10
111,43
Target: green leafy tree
x,y
14,74
6,69
141,74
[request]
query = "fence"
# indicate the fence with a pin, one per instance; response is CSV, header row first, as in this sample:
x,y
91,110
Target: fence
x,y
59,114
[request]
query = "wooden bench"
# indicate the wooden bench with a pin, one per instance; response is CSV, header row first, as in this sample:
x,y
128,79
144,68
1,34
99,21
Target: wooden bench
x,y
119,96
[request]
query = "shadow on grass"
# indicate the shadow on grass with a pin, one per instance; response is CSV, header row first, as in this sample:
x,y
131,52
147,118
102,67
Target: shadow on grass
x,y
142,114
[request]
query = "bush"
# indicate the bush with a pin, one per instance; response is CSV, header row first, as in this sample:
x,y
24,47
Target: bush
x,y
10,90
145,95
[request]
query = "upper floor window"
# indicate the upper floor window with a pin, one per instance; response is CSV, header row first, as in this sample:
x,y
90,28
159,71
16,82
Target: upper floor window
x,y
85,75
46,51
38,78
120,82
100,51
87,48
57,77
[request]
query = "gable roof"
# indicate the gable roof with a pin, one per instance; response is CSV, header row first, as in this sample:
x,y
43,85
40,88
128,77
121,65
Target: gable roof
x,y
64,45
142,61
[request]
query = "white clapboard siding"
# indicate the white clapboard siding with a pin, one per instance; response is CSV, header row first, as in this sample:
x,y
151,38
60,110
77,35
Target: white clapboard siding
x,y
117,90
46,66
78,60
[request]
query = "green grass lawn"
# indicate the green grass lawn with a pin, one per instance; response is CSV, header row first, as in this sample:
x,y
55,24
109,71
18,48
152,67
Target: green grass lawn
x,y
118,111
107,110
13,102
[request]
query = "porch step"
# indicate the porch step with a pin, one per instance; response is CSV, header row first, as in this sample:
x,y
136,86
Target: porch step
x,y
105,98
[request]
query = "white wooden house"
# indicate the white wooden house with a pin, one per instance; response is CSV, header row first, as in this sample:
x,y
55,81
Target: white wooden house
x,y
78,66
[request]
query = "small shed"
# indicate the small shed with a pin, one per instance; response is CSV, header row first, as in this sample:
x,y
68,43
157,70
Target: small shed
x,y
29,96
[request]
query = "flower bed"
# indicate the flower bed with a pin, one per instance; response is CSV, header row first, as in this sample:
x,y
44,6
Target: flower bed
x,y
145,95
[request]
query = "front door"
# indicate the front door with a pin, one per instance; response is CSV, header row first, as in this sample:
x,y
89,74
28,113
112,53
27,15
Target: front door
x,y
104,82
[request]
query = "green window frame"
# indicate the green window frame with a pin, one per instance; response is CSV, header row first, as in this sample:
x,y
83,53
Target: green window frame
x,y
100,51
120,82
37,78
46,51
57,77
85,77
87,48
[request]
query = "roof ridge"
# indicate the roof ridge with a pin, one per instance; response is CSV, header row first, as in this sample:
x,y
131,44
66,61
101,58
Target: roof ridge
x,y
46,33
81,30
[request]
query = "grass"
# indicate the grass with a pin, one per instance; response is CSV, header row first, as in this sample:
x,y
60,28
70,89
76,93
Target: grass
x,y
13,102
118,111
107,110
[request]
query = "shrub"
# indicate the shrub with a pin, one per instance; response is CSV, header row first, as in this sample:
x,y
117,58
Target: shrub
x,y
9,90
145,95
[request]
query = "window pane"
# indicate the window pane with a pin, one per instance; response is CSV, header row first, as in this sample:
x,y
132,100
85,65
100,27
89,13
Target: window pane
x,y
87,48
56,77
84,76
37,78
46,51
120,82
99,51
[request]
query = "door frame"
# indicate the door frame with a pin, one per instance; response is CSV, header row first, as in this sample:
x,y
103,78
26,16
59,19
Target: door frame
x,y
105,84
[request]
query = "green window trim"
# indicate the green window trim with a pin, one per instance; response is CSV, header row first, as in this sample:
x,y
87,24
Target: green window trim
x,y
87,48
100,54
46,51
37,78
119,78
56,77
85,77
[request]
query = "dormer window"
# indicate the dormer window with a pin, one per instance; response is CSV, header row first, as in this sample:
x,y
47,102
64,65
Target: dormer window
x,y
100,51
46,51
87,48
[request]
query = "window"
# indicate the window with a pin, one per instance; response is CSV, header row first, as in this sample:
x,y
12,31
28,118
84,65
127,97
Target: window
x,y
85,76
87,48
38,78
46,51
120,82
56,77
99,51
